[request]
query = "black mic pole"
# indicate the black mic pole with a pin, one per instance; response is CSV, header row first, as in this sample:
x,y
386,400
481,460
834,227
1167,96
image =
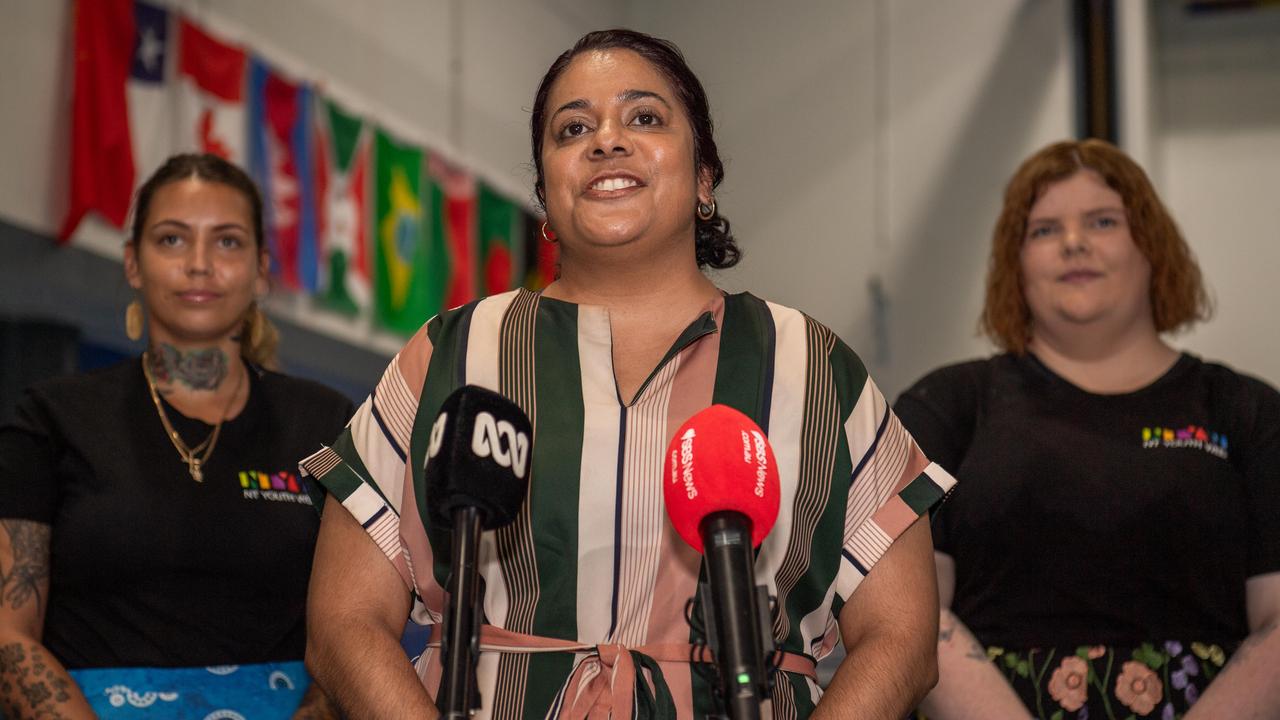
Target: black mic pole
x,y
726,539
458,697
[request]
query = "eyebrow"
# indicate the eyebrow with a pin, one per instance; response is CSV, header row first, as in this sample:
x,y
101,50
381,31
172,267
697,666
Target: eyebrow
x,y
217,228
624,96
1095,211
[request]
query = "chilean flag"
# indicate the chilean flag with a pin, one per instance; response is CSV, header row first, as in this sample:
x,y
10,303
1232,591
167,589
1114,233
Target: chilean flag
x,y
280,150
120,112
211,77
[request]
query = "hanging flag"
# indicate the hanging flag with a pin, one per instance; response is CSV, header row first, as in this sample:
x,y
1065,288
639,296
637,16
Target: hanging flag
x,y
120,108
342,160
150,94
457,208
407,295
541,258
280,150
499,241
211,78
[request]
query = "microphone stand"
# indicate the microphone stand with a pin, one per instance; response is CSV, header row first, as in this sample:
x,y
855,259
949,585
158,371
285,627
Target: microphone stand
x,y
459,695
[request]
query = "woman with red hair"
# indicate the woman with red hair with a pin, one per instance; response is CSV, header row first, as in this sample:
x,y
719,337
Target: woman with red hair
x,y
1112,542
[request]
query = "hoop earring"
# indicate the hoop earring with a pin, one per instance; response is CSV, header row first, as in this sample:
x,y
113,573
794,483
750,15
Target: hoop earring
x,y
706,211
548,235
133,320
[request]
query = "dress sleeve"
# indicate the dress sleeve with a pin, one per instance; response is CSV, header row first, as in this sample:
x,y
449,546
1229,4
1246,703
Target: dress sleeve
x,y
366,470
939,413
1261,465
28,456
893,484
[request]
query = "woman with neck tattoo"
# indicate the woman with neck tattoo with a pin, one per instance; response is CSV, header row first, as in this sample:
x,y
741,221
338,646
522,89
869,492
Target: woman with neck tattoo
x,y
157,539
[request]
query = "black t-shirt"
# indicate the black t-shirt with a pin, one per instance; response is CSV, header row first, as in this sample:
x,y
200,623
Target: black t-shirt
x,y
147,566
1112,519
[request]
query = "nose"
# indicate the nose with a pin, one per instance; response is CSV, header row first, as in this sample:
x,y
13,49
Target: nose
x,y
199,261
1074,240
610,140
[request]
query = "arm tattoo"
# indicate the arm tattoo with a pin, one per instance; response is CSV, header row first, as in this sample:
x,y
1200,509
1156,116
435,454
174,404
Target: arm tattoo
x,y
31,685
950,626
197,369
29,542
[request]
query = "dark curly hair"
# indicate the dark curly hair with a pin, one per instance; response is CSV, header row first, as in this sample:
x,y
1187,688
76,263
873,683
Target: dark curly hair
x,y
715,246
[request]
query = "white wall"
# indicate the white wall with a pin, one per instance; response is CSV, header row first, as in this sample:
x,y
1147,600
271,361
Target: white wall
x,y
1217,141
872,139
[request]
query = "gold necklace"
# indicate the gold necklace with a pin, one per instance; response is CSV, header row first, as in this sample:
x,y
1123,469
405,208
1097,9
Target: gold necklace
x,y
191,456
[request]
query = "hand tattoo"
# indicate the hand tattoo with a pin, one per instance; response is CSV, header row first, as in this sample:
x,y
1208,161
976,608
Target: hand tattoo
x,y
29,542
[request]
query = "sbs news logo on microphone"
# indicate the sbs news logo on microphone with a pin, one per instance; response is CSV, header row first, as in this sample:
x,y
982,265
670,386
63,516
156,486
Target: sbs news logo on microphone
x,y
754,452
490,437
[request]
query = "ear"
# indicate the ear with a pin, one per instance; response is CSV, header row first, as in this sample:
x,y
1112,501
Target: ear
x,y
705,189
262,284
131,271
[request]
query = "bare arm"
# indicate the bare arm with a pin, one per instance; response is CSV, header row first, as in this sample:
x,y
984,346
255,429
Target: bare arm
x,y
969,685
888,626
32,682
356,610
315,705
1249,686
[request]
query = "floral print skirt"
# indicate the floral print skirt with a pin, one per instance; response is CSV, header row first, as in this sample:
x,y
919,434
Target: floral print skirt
x,y
1153,680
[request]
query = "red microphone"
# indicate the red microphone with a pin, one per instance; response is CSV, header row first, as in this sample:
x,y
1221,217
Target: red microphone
x,y
722,494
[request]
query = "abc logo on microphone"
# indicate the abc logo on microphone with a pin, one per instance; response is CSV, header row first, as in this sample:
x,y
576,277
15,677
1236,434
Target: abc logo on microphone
x,y
479,454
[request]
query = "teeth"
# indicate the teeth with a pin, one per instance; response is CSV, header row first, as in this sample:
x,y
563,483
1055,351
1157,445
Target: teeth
x,y
609,184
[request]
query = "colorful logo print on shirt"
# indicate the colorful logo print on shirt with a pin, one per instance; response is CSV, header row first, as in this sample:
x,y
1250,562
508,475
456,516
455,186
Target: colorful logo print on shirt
x,y
1191,436
279,487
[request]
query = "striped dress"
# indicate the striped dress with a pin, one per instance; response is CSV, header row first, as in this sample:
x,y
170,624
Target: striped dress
x,y
592,557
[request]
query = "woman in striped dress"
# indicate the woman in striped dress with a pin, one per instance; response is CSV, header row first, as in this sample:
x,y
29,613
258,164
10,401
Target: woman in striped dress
x,y
629,342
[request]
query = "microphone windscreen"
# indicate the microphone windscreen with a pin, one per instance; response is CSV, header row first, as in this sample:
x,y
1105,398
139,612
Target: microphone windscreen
x,y
720,460
478,455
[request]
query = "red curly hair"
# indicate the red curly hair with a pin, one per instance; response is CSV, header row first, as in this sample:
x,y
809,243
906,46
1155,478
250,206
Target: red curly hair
x,y
1178,296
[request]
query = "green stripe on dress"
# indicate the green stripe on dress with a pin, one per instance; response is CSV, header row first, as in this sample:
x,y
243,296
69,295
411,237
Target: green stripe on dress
x,y
447,333
744,368
558,430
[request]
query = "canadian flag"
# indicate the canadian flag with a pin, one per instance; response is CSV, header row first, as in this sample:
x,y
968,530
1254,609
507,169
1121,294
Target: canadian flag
x,y
211,79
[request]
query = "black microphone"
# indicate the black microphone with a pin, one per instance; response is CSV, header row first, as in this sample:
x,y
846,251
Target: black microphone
x,y
722,494
476,474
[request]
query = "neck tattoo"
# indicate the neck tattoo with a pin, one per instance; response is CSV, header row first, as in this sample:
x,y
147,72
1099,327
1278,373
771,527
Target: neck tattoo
x,y
202,369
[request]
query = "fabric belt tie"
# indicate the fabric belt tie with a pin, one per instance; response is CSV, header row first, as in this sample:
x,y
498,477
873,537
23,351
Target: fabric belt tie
x,y
606,683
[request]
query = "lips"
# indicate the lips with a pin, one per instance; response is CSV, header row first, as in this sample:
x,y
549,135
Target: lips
x,y
1079,276
199,297
612,184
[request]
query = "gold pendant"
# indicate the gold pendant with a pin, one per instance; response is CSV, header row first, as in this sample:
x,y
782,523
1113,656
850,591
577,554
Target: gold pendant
x,y
196,473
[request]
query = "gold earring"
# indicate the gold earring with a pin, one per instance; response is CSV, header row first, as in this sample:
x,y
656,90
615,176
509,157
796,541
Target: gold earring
x,y
133,320
706,211
548,235
254,325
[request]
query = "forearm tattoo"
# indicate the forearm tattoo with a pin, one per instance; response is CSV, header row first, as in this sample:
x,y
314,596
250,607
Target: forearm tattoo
x,y
31,685
950,628
21,582
197,369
